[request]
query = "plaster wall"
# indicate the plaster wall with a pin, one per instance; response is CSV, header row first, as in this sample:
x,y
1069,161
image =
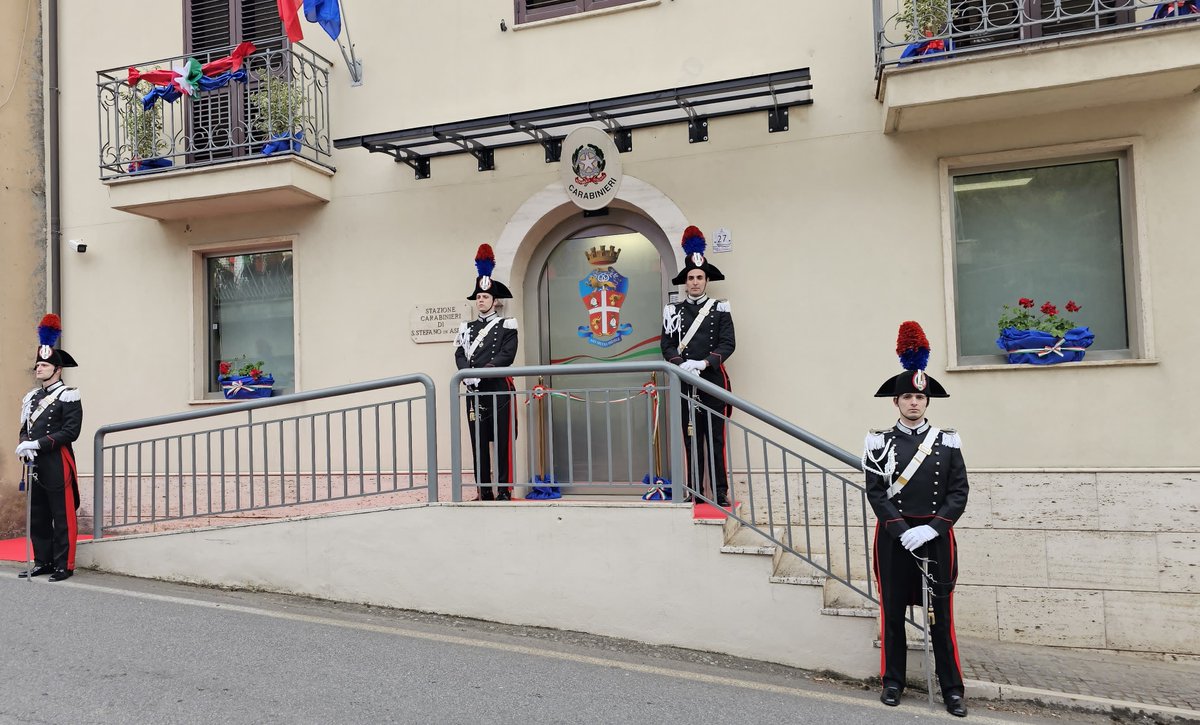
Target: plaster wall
x,y
638,572
22,224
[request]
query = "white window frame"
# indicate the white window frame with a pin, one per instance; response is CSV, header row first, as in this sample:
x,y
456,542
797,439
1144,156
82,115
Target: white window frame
x,y
200,307
1126,151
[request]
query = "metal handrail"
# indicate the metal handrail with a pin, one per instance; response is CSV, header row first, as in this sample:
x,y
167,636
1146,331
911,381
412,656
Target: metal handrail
x,y
249,407
971,27
675,378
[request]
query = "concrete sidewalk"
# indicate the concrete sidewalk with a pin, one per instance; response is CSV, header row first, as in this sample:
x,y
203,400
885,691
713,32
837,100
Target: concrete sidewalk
x,y
1096,681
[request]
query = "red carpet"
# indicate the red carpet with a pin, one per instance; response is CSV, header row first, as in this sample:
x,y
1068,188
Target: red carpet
x,y
708,511
14,549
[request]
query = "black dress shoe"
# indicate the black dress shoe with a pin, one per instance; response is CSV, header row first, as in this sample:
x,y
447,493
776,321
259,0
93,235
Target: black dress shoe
x,y
38,570
890,696
61,574
955,706
723,502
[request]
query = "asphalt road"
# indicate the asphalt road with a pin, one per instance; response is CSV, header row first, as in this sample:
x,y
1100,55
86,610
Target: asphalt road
x,y
107,649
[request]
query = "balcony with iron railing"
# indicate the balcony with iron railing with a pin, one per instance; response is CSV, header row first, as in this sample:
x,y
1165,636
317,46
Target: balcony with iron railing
x,y
948,62
231,130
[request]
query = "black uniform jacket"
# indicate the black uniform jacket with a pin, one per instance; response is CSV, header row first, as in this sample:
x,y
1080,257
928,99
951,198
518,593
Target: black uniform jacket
x,y
936,494
714,340
497,350
56,428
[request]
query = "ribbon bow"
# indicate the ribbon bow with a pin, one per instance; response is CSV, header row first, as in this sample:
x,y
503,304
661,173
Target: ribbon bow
x,y
237,386
1057,348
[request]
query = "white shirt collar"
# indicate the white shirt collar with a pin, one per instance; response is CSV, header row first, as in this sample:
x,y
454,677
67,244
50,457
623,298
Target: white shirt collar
x,y
487,317
697,300
905,428
53,386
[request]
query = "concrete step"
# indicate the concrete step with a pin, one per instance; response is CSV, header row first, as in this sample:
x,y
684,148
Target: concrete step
x,y
748,541
856,612
837,594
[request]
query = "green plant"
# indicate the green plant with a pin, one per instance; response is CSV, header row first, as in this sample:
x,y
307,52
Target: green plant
x,y
924,17
279,105
144,127
247,370
1049,321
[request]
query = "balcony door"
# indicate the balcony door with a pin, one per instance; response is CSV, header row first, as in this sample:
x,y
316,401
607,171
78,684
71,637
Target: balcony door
x,y
219,124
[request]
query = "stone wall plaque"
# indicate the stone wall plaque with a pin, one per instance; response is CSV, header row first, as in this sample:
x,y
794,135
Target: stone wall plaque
x,y
438,321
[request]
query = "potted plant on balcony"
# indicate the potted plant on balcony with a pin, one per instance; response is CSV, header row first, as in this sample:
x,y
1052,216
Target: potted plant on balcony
x,y
143,128
1045,339
245,381
923,21
279,104
924,18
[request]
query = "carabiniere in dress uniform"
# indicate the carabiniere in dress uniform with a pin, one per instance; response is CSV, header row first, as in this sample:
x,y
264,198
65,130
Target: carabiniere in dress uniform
x,y
51,419
698,336
917,486
486,342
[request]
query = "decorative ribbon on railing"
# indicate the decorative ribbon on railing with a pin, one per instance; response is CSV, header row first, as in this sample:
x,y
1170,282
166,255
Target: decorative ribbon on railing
x,y
1057,349
660,487
537,392
188,76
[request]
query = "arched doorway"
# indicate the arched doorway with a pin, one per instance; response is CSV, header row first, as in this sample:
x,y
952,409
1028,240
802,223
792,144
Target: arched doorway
x,y
601,283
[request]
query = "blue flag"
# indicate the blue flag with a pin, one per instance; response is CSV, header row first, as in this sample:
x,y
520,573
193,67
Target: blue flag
x,y
325,13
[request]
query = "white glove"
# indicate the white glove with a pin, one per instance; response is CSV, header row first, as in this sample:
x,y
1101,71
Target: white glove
x,y
917,536
470,382
694,366
27,450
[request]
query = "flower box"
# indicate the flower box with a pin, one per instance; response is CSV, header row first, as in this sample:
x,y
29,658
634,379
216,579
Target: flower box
x,y
245,387
1035,347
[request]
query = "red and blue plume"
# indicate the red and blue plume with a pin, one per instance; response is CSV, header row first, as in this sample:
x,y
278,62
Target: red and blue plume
x,y
485,260
912,346
49,330
693,241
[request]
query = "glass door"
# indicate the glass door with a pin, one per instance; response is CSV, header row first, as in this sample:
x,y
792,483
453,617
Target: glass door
x,y
603,292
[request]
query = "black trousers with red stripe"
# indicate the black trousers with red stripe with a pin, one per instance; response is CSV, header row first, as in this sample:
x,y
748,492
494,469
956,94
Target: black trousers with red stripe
x,y
490,419
898,575
709,435
53,498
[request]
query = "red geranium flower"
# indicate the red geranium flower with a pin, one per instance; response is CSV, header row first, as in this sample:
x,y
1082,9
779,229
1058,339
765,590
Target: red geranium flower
x,y
255,373
1072,307
1049,309
224,368
1025,302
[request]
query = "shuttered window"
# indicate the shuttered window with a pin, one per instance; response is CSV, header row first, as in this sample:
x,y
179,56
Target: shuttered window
x,y
218,123
530,10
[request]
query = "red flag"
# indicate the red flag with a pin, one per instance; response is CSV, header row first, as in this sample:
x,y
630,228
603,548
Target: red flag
x,y
291,20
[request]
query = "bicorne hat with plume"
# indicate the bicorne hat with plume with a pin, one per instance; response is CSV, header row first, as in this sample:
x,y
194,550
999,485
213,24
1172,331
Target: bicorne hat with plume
x,y
913,348
49,330
485,264
693,244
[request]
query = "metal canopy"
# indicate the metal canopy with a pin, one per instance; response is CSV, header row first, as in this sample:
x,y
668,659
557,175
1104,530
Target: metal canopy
x,y
774,93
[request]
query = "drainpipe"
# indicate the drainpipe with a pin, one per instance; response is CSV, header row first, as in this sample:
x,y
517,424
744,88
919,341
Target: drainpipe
x,y
55,276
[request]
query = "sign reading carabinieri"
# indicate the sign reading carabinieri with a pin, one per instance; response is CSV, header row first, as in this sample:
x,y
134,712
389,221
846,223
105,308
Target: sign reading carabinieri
x,y
590,168
438,321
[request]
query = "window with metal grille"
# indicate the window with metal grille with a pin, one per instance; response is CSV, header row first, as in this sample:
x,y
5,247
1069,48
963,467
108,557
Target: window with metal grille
x,y
530,10
218,121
